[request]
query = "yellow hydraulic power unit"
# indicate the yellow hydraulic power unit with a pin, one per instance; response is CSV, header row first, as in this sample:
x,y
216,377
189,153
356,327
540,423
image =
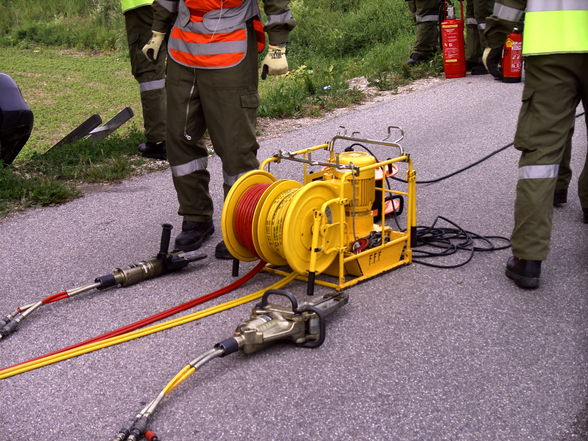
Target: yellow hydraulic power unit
x,y
325,224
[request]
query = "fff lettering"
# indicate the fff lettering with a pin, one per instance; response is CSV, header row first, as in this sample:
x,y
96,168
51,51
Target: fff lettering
x,y
374,257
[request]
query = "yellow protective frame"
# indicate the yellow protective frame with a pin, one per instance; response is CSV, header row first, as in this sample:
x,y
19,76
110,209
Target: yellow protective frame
x,y
373,261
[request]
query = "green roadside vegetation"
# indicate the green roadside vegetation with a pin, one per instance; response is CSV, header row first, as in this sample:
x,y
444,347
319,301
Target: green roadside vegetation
x,y
69,58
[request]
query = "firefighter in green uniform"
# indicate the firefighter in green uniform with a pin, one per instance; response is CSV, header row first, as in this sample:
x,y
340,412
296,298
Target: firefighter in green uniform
x,y
426,18
211,84
150,76
476,13
555,47
564,175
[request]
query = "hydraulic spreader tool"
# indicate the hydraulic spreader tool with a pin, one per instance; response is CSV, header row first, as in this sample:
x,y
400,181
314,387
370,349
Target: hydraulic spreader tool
x,y
163,263
334,222
302,324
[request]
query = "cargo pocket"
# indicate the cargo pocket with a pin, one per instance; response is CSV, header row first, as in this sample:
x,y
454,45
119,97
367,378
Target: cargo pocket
x,y
132,38
250,101
526,122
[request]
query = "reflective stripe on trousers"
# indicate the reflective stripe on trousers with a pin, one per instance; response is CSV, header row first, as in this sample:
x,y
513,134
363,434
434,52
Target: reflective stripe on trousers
x,y
230,180
189,167
538,171
426,18
152,85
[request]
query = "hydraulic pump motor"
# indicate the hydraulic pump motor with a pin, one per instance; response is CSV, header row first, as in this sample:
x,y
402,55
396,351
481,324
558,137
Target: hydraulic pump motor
x,y
361,194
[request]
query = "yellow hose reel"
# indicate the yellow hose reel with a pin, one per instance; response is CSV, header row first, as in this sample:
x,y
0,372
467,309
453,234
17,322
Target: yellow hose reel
x,y
313,227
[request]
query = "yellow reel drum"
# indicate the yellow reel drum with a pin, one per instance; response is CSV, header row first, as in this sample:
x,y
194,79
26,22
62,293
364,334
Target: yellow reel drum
x,y
269,224
298,227
283,221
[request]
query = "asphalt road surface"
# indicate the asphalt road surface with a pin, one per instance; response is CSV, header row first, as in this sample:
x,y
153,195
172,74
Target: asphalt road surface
x,y
419,353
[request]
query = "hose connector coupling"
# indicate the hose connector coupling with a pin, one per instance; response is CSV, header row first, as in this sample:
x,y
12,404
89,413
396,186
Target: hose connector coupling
x,y
10,327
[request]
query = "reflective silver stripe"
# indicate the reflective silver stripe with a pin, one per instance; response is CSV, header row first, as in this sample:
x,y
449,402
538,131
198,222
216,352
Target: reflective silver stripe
x,y
538,171
506,12
426,18
190,167
228,47
151,85
279,18
170,5
482,26
556,5
471,21
230,180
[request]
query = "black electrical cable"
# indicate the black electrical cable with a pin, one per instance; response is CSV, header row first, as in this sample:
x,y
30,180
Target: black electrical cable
x,y
434,181
450,241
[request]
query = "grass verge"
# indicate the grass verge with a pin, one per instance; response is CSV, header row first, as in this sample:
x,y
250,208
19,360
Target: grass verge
x,y
69,59
53,178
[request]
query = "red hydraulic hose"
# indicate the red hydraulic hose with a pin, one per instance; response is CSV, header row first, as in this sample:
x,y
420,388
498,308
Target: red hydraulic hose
x,y
243,220
55,297
159,316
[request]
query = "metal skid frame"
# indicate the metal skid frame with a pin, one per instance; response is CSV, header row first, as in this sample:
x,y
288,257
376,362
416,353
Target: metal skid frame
x,y
350,268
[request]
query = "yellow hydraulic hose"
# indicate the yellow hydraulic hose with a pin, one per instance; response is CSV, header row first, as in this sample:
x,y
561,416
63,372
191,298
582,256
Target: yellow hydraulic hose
x,y
179,378
34,364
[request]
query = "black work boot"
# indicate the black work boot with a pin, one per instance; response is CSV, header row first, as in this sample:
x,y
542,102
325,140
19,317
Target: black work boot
x,y
155,150
560,197
221,251
193,235
585,211
417,59
478,69
525,273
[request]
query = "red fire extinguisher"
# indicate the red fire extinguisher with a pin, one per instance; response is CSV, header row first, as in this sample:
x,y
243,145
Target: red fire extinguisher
x,y
512,57
454,64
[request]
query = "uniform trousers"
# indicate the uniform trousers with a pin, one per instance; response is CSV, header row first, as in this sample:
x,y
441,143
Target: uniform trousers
x,y
150,76
476,13
554,86
426,17
223,102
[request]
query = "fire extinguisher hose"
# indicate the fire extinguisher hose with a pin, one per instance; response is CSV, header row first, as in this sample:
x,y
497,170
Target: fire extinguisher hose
x,y
67,354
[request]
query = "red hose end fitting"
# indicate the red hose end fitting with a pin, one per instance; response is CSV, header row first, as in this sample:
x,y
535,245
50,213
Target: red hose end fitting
x,y
151,436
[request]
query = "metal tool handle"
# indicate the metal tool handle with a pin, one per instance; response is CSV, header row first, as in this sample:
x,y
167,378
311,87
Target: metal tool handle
x,y
278,292
322,328
390,134
165,238
366,141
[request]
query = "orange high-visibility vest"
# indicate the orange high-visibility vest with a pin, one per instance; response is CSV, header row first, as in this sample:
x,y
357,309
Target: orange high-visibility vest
x,y
212,34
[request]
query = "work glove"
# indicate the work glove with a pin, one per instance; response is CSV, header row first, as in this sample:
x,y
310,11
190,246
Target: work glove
x,y
151,49
491,59
275,62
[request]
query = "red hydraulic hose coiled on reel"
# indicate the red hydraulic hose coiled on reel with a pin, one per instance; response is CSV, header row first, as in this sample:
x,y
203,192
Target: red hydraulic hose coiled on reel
x,y
243,221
